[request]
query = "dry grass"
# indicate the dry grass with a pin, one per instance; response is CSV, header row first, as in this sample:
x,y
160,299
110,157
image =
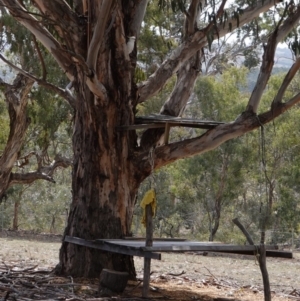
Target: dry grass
x,y
194,276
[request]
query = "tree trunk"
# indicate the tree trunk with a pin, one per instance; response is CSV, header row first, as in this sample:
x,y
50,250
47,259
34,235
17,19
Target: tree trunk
x,y
16,215
104,183
214,228
52,226
264,272
104,179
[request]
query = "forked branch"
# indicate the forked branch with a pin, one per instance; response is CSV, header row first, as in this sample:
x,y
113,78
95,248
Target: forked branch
x,y
42,173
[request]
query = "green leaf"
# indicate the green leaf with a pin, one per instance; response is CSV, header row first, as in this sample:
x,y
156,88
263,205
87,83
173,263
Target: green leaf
x,y
174,5
139,75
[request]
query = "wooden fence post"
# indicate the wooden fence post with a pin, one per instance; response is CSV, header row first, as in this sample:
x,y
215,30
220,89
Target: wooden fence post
x,y
149,243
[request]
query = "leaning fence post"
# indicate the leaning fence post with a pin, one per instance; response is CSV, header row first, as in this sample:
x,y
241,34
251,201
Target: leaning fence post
x,y
261,258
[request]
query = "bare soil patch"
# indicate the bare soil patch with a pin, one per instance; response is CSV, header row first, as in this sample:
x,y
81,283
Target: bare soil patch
x,y
26,264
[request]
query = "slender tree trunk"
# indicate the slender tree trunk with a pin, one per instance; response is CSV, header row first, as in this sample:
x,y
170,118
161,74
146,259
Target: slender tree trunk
x,y
264,272
214,228
52,226
219,198
209,223
16,215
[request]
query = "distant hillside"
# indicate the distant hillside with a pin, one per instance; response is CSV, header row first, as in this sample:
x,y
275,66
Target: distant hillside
x,y
283,57
283,61
253,74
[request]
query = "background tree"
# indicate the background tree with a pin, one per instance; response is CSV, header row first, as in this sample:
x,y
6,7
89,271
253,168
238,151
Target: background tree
x,y
89,41
34,114
212,181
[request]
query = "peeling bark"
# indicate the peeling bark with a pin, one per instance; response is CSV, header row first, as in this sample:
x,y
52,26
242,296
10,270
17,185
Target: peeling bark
x,y
103,186
103,183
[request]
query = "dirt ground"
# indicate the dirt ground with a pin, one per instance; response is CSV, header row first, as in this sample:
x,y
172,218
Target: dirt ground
x,y
176,277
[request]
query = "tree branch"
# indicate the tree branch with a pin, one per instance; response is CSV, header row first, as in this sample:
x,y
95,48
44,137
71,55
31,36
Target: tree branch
x,y
93,83
44,69
58,162
243,229
188,73
139,13
186,77
24,160
61,92
96,87
59,10
43,173
268,60
176,103
195,42
104,13
287,80
42,34
213,138
191,17
281,108
28,178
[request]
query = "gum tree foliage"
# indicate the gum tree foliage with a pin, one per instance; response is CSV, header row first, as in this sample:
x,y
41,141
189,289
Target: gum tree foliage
x,y
268,197
45,206
30,116
275,172
88,40
39,207
208,185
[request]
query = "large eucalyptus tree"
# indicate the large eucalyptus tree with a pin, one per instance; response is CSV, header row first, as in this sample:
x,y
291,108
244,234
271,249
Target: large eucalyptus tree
x,y
95,44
